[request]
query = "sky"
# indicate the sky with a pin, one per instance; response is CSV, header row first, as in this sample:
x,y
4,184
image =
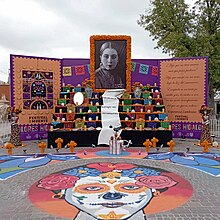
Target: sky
x,y
62,28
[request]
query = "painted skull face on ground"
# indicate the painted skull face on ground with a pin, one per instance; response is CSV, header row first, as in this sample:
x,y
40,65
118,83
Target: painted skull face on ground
x,y
113,195
106,190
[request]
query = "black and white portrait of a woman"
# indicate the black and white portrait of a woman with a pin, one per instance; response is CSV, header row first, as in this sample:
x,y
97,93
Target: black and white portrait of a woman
x,y
110,61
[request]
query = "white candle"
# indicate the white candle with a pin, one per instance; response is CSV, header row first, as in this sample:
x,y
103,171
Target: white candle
x,y
162,109
97,118
155,84
60,110
149,118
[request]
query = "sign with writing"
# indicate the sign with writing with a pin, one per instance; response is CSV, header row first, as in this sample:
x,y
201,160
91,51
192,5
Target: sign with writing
x,y
183,87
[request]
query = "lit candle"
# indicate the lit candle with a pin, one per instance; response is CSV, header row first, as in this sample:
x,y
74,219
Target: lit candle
x,y
162,109
141,109
152,90
68,90
91,103
64,96
84,118
122,103
158,96
80,110
130,96
97,118
97,109
51,128
127,109
60,110
149,118
169,127
155,84
140,127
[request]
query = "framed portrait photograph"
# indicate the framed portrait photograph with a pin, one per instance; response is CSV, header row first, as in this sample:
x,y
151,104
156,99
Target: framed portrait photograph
x,y
110,62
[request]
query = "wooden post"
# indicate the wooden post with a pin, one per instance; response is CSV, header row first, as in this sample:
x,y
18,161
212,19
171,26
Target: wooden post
x,y
42,145
147,145
59,142
171,144
71,145
154,142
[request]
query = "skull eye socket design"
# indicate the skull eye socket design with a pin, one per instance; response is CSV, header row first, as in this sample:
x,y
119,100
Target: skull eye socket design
x,y
130,188
91,188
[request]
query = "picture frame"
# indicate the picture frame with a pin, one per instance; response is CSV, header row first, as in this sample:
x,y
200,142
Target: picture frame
x,y
110,62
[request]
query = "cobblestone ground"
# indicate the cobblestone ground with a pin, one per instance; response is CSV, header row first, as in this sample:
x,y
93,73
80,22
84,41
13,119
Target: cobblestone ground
x,y
203,205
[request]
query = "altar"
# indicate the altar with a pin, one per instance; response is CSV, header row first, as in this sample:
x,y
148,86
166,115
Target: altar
x,y
88,138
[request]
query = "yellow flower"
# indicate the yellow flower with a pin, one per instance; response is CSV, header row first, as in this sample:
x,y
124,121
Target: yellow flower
x,y
111,175
111,215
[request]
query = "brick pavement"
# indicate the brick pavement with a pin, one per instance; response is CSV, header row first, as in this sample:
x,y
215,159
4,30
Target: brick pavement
x,y
204,204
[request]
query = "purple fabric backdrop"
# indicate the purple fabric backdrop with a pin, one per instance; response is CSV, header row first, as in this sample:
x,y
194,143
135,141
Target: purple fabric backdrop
x,y
138,74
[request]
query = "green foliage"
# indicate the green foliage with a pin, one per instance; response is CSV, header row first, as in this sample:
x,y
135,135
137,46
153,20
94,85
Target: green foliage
x,y
181,31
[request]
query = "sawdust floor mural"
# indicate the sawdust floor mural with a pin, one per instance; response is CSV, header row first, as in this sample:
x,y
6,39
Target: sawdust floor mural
x,y
15,164
109,191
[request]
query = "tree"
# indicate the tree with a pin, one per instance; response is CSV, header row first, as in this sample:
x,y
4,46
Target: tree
x,y
184,32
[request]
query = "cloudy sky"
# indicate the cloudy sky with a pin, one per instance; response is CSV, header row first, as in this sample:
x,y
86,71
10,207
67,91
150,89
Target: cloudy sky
x,y
61,28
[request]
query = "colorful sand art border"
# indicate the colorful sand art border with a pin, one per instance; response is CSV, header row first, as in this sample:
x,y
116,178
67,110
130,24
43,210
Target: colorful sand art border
x,y
13,165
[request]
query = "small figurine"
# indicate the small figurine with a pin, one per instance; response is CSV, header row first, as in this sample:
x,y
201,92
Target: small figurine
x,y
205,112
42,145
147,145
15,130
59,142
205,144
154,142
9,147
72,145
171,144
